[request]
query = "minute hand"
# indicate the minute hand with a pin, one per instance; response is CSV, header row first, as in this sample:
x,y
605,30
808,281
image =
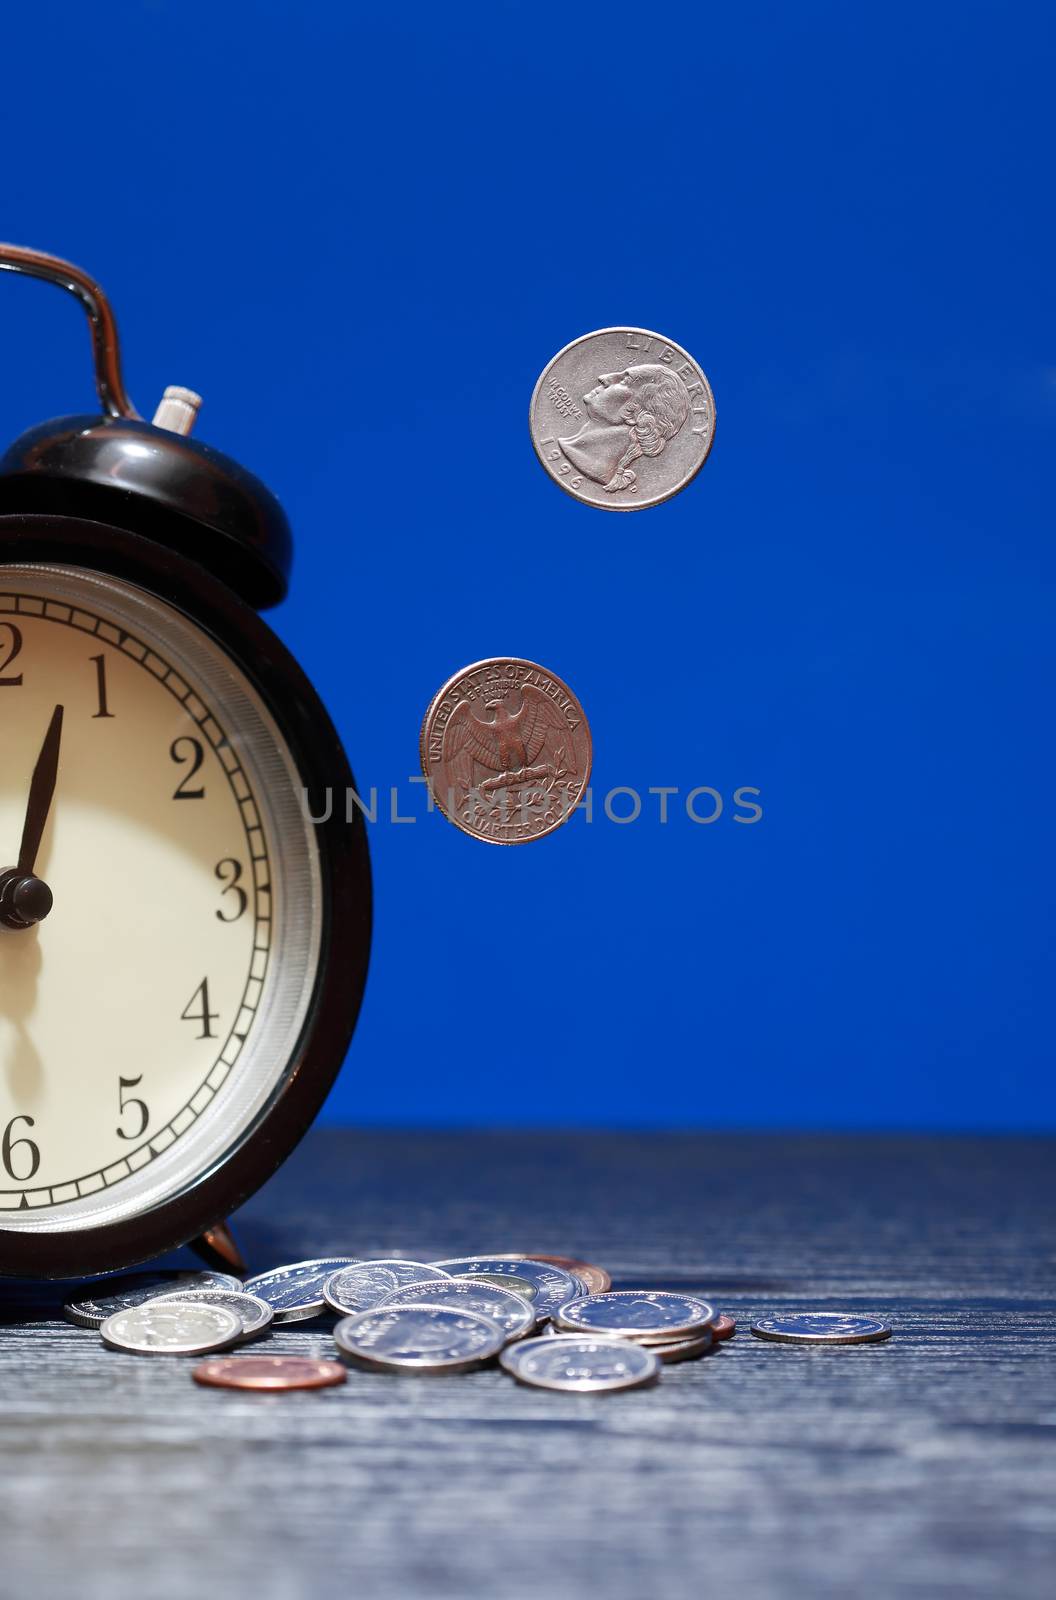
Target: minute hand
x,y
41,793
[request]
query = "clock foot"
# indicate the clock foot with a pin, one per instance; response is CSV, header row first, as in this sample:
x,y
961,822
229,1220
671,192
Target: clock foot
x,y
218,1249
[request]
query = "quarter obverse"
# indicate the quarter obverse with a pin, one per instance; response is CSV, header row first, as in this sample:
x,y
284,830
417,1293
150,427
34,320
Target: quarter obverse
x,y
622,418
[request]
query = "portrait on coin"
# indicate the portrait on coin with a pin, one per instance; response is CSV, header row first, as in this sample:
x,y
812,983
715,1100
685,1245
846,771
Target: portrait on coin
x,y
631,414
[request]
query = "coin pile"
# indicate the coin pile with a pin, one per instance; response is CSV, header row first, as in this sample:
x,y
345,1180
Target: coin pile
x,y
552,1322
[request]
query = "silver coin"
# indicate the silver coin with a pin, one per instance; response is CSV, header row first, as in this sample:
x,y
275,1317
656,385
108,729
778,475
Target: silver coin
x,y
295,1293
638,1314
581,1364
358,1288
553,1285
682,1349
821,1327
171,1328
622,418
505,1280
667,1349
406,1271
512,1312
255,1313
133,1288
419,1338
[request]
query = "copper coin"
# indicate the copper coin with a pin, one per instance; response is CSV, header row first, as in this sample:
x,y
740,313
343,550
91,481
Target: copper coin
x,y
594,1279
270,1372
506,750
723,1327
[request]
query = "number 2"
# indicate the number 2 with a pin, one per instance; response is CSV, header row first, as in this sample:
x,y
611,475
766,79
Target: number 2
x,y
13,650
196,757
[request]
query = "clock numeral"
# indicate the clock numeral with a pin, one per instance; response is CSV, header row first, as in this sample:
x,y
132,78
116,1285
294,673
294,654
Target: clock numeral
x,y
231,870
195,757
100,673
13,649
127,1102
8,1147
203,1015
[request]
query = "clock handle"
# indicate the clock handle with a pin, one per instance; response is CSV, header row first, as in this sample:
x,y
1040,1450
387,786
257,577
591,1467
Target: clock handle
x,y
106,347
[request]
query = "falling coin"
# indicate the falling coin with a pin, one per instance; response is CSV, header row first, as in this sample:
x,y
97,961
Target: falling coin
x,y
820,1327
506,750
622,418
270,1372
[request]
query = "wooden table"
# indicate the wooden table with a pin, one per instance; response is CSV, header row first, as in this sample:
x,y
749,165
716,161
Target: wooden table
x,y
923,1466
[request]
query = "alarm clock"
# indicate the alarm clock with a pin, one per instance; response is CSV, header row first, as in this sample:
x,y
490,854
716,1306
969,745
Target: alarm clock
x,y
184,924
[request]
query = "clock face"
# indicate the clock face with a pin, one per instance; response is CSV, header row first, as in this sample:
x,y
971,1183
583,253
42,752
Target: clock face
x,y
147,1021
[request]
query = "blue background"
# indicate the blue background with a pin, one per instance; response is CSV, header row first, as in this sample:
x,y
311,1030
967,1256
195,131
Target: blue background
x,y
361,233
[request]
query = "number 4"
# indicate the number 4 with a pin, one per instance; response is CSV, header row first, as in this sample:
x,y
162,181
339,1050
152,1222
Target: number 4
x,y
203,1014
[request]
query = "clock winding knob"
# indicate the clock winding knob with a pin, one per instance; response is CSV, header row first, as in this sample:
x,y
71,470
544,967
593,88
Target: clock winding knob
x,y
25,899
177,409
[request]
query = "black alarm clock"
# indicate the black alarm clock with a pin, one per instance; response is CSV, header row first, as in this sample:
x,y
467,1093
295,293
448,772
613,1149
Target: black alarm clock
x,y
183,947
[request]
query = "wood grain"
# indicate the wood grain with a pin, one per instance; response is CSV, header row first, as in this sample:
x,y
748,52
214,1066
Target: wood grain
x,y
924,1466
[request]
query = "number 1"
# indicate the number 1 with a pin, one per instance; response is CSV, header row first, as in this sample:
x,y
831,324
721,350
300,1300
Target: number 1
x,y
100,671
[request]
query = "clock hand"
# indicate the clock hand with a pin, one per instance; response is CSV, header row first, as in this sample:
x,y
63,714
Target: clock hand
x,y
41,794
26,899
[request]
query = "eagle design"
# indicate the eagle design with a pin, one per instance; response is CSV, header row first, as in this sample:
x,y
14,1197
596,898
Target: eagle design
x,y
508,744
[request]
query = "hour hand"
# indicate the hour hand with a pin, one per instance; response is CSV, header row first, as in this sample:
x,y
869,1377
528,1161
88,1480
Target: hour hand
x,y
24,898
41,793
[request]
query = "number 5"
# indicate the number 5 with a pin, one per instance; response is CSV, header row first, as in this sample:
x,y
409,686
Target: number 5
x,y
126,1102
